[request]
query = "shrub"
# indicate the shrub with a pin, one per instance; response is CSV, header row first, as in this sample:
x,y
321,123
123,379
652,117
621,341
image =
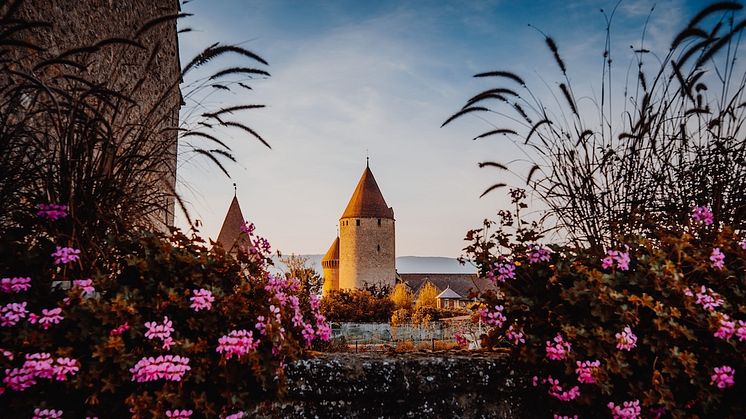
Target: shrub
x,y
357,305
164,324
658,323
402,297
427,297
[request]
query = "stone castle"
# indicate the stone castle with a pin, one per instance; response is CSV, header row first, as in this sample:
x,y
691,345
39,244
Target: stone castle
x,y
364,252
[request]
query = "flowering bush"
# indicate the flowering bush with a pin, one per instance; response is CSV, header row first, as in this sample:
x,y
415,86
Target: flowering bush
x,y
654,327
163,328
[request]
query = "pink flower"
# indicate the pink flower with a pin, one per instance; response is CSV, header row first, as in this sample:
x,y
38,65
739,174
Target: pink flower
x,y
86,285
504,270
741,331
556,416
237,415
586,369
179,414
12,313
47,414
48,317
717,258
248,228
63,367
65,255
166,367
708,299
558,349
460,339
120,329
743,244
6,353
622,260
493,318
15,285
538,253
52,211
202,300
628,410
703,214
723,377
556,391
626,340
727,328
238,343
515,335
308,334
161,331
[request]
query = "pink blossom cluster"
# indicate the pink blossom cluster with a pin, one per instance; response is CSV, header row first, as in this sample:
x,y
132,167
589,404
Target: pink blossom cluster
x,y
723,377
238,343
556,416
558,349
86,285
493,318
161,331
460,339
616,256
46,414
703,214
12,313
586,369
6,353
515,335
504,271
201,300
15,285
65,255
323,330
708,298
237,415
727,328
538,253
39,365
166,367
626,339
557,391
627,410
308,334
717,258
52,211
248,228
179,414
742,243
120,329
47,318
260,325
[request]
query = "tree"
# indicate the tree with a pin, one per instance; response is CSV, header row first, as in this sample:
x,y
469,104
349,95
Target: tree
x,y
297,267
402,297
427,297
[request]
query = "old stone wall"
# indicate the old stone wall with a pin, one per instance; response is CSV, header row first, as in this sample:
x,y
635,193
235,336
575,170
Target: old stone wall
x,y
367,252
415,385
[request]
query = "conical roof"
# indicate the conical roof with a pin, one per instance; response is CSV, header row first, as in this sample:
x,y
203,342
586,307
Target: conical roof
x,y
448,293
367,200
333,252
231,230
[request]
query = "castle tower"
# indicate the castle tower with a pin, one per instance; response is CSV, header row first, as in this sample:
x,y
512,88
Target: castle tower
x,y
366,238
330,264
230,236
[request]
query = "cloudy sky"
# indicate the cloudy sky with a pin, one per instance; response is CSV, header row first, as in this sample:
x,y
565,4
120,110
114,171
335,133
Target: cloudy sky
x,y
351,78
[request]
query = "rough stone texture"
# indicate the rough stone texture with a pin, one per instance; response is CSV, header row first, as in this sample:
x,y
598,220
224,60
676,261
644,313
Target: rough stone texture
x,y
82,23
366,252
413,385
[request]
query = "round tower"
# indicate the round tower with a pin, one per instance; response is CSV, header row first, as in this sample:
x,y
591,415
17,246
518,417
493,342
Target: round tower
x,y
330,264
366,238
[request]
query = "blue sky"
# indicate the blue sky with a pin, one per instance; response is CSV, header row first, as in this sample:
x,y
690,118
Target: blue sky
x,y
350,77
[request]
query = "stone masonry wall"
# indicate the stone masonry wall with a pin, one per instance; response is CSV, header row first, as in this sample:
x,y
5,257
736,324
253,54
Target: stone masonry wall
x,y
360,259
414,385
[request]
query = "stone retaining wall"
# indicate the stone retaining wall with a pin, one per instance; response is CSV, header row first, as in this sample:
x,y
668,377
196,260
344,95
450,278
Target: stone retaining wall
x,y
414,385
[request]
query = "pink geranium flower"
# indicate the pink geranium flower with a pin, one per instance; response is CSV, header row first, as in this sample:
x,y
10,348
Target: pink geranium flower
x,y
179,414
703,214
538,253
628,410
621,259
201,300
586,370
47,318
493,318
723,377
515,335
708,299
238,343
727,328
52,211
161,331
558,349
165,367
717,258
626,340
120,329
12,313
86,285
47,414
65,255
15,285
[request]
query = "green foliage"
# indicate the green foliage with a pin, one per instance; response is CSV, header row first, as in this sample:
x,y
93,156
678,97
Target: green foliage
x,y
573,295
357,305
147,277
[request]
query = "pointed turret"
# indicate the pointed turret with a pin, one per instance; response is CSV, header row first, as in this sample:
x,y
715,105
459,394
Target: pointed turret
x,y
230,233
330,265
367,200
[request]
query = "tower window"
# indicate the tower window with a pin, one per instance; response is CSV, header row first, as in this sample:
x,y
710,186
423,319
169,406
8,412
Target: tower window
x,y
357,222
379,248
379,222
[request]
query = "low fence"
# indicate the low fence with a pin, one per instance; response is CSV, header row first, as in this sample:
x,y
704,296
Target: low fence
x,y
383,336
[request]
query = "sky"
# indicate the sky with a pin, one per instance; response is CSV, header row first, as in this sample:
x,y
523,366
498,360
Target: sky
x,y
351,79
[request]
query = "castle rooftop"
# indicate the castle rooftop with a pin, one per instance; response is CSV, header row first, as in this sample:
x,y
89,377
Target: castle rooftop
x,y
230,233
367,200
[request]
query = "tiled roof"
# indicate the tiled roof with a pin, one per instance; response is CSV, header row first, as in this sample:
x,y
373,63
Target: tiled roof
x,y
332,253
462,284
367,200
449,293
231,230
